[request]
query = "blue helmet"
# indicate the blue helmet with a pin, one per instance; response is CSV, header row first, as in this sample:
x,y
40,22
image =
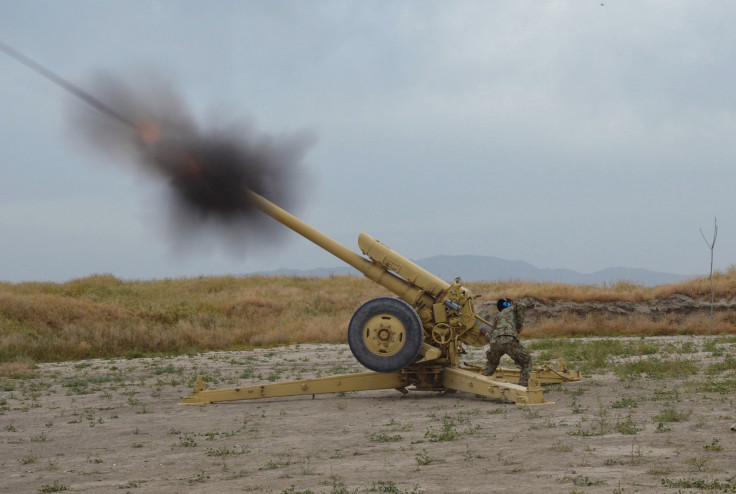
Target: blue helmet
x,y
503,303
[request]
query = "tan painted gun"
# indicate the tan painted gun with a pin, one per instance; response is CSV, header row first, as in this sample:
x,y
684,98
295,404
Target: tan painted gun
x,y
410,341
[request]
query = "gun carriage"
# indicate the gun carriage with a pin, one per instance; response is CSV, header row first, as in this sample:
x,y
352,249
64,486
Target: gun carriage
x,y
413,341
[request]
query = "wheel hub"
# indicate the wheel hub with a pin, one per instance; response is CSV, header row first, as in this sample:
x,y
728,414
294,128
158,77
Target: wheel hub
x,y
384,334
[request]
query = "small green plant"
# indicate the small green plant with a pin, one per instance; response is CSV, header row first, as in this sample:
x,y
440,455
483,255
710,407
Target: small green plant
x,y
169,369
339,488
577,408
584,432
581,481
625,403
726,485
187,440
627,426
28,459
636,454
55,487
468,454
448,431
602,419
292,490
671,415
713,446
396,426
390,487
306,468
697,463
423,458
75,384
665,395
225,452
133,484
40,438
274,376
199,478
562,447
284,460
662,427
380,437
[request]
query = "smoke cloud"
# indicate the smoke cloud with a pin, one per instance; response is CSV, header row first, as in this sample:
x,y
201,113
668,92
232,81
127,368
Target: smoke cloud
x,y
207,170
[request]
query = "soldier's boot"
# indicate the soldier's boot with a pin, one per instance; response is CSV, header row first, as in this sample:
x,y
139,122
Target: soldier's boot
x,y
492,361
524,375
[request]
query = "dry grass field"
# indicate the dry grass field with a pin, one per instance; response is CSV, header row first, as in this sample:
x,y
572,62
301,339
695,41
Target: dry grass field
x,y
103,317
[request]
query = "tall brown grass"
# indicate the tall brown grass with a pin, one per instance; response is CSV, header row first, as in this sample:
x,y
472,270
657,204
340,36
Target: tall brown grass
x,y
624,291
102,316
596,324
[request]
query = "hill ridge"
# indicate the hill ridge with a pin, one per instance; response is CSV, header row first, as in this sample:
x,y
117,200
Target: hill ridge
x,y
489,268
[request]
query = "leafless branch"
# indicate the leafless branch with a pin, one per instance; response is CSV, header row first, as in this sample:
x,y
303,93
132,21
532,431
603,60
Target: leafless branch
x,y
711,245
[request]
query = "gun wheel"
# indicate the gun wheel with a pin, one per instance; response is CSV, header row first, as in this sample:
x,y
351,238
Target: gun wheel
x,y
385,334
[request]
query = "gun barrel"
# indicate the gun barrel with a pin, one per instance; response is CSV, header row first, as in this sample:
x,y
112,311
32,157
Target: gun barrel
x,y
402,266
372,270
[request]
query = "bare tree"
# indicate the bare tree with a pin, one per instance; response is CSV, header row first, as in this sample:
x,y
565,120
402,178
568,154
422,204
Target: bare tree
x,y
711,245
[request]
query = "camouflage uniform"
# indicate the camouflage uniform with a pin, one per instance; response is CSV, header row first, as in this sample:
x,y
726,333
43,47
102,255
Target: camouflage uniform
x,y
504,339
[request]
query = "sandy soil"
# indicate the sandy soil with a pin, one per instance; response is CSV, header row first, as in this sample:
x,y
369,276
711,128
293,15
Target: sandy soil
x,y
115,426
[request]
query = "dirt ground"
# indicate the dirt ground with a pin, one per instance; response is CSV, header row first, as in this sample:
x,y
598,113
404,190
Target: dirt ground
x,y
107,426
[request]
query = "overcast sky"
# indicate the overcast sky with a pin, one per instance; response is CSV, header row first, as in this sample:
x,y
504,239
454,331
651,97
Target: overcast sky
x,y
564,134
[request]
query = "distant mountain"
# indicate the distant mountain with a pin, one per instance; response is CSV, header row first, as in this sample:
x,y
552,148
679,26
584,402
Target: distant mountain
x,y
486,268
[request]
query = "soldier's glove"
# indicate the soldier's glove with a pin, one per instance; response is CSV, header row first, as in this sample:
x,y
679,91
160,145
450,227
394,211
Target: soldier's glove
x,y
483,331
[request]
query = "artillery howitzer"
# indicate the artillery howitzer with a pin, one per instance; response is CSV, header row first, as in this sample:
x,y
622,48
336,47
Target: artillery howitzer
x,y
414,340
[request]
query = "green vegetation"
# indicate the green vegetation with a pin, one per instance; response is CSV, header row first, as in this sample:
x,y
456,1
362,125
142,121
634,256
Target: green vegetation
x,y
625,402
581,480
628,426
424,459
656,368
450,429
380,437
713,446
725,485
671,415
55,487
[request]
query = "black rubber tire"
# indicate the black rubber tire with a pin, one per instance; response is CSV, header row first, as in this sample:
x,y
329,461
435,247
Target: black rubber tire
x,y
413,334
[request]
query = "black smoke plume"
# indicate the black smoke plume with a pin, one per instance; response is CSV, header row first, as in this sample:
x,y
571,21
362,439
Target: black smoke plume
x,y
207,170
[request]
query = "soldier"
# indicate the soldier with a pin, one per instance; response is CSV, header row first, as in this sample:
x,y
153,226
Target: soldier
x,y
504,339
